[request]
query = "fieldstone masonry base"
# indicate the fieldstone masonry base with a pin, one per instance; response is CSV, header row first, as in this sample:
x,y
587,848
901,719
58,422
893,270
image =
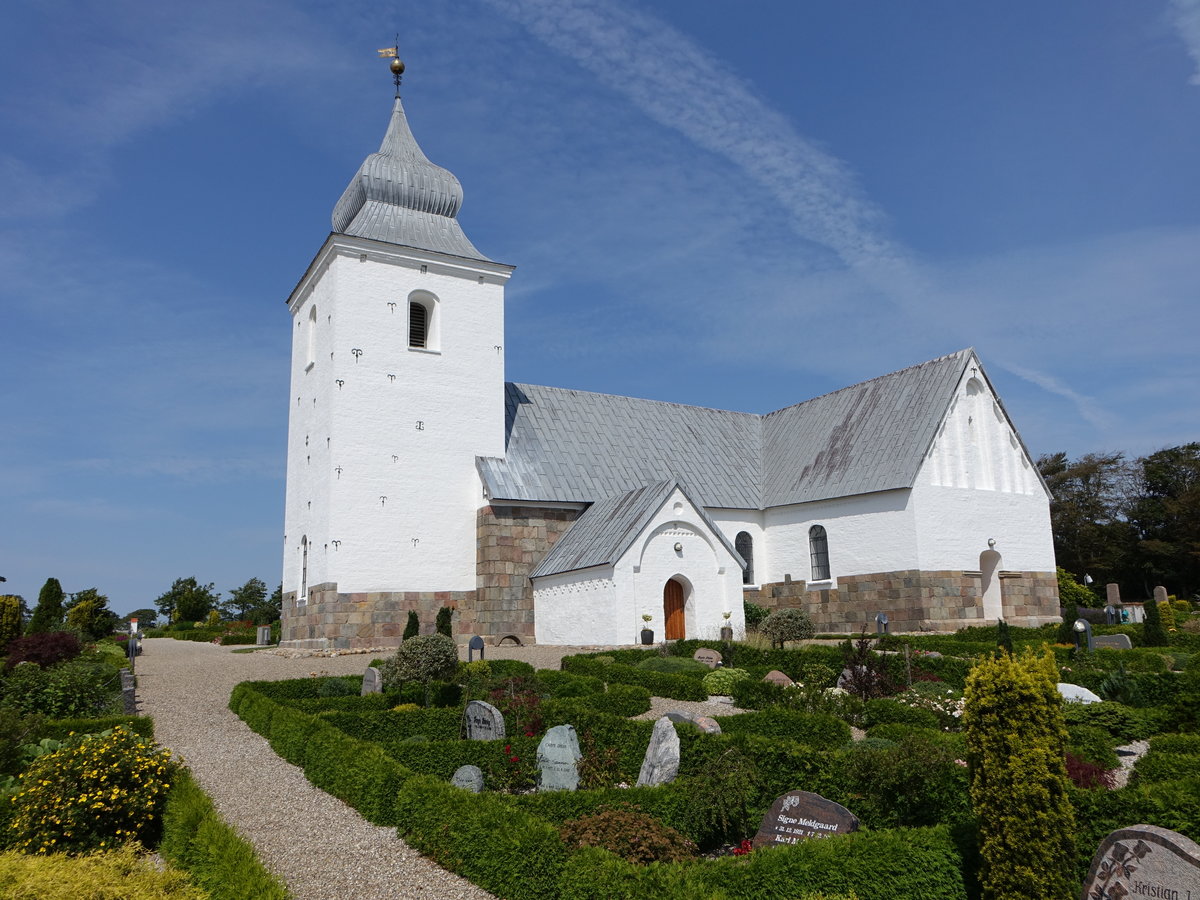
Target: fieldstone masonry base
x,y
914,600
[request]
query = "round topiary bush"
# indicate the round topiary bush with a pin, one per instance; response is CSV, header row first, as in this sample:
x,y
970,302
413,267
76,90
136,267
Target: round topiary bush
x,y
787,625
721,681
420,658
104,792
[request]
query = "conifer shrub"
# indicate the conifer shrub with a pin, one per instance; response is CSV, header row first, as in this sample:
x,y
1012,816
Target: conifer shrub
x,y
413,626
80,687
1153,633
631,834
103,792
421,658
720,682
442,624
10,619
123,874
44,648
1092,744
754,614
673,665
48,614
1016,744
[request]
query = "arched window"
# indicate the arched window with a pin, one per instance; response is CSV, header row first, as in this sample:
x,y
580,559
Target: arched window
x,y
302,594
418,324
744,545
818,552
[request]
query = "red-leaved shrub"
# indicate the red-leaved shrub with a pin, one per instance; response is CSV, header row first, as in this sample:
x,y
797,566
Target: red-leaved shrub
x,y
45,649
1086,774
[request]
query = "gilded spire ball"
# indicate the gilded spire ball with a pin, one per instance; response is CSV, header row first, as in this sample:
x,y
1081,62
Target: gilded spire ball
x,y
397,67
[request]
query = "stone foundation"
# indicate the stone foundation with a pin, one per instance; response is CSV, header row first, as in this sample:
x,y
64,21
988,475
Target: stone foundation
x,y
914,600
333,621
512,541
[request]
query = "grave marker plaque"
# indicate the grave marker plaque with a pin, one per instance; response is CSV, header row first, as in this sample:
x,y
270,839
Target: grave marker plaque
x,y
1144,861
469,778
710,658
372,681
661,763
483,722
800,815
557,758
1112,642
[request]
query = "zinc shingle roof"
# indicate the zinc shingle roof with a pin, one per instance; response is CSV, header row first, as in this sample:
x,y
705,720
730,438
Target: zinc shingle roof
x,y
575,446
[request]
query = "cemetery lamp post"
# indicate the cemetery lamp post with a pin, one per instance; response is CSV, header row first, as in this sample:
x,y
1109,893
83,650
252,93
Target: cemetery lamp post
x,y
1083,627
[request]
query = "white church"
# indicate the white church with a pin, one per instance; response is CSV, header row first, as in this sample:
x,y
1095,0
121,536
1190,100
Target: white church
x,y
418,478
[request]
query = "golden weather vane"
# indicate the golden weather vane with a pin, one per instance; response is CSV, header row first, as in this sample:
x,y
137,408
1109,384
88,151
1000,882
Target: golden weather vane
x,y
396,65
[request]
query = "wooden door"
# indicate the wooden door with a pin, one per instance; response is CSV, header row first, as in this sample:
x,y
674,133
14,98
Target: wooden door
x,y
673,610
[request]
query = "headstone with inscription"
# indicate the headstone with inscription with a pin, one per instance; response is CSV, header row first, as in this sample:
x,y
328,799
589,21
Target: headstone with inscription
x,y
710,658
1075,693
1112,642
263,637
800,815
372,681
483,722
1161,595
558,758
469,778
1112,594
777,677
1144,861
661,763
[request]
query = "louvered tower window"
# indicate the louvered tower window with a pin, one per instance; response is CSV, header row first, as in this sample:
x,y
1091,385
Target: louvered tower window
x,y
418,325
818,551
744,545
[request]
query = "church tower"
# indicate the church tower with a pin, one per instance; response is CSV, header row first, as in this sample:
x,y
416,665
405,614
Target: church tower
x,y
397,385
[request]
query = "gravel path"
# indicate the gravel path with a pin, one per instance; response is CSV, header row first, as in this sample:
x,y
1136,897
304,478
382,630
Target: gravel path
x,y
320,846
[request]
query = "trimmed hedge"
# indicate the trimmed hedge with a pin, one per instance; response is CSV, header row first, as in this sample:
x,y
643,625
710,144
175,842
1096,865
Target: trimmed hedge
x,y
60,729
216,857
1188,744
660,684
819,730
1158,765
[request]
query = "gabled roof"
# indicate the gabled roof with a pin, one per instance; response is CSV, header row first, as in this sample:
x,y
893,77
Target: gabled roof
x,y
610,526
575,446
398,196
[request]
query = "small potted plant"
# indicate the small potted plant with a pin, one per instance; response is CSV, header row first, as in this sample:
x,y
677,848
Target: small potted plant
x,y
647,631
726,629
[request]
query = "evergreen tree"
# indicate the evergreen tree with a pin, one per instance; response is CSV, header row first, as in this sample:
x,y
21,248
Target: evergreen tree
x,y
48,614
1016,743
413,627
442,625
1003,636
1153,634
187,601
89,614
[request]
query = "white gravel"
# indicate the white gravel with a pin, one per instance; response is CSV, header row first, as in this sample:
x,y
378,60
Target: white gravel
x,y
317,844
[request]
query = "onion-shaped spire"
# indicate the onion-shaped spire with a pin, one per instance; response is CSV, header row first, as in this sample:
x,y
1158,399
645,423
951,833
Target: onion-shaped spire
x,y
400,197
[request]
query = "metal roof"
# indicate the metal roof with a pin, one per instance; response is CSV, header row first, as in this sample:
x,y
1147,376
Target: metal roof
x,y
575,446
400,197
610,526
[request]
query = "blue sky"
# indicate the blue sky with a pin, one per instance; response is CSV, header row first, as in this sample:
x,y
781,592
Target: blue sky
x,y
733,209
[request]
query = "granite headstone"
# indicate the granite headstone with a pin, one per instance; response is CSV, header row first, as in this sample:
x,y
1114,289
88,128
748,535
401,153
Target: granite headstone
x,y
1144,861
1112,642
1074,693
661,763
777,677
372,681
469,778
706,724
483,721
710,658
680,717
1161,595
800,815
557,759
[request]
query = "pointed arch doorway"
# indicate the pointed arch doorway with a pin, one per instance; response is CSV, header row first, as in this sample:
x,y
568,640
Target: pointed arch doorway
x,y
673,610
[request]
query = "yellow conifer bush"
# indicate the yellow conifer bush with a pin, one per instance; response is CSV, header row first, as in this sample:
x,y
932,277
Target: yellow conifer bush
x,y
103,792
113,875
1016,742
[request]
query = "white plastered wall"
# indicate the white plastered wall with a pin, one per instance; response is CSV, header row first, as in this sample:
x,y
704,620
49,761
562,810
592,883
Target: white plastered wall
x,y
389,466
604,605
733,521
978,484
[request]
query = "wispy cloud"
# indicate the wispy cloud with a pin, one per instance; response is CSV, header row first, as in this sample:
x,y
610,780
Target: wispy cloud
x,y
1185,17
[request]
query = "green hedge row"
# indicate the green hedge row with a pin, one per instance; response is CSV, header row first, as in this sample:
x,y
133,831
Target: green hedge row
x,y
216,857
660,684
59,729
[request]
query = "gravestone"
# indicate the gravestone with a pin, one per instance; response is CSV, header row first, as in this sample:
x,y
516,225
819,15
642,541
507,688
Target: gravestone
x,y
661,764
1112,593
707,724
1145,861
263,635
682,718
1112,642
1160,595
469,778
372,682
710,658
476,643
557,759
847,674
1074,693
800,815
777,677
483,721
